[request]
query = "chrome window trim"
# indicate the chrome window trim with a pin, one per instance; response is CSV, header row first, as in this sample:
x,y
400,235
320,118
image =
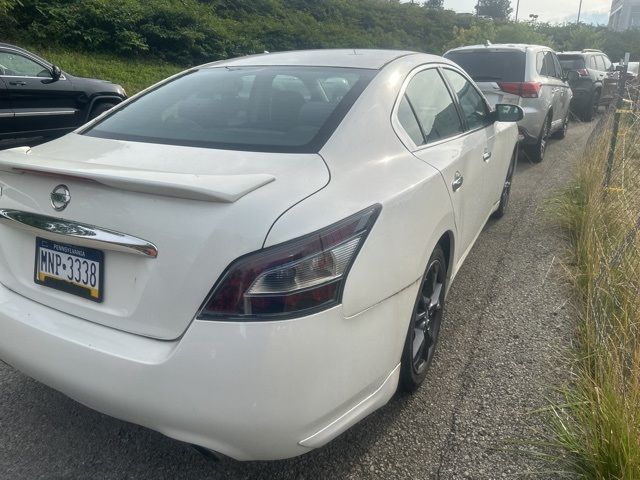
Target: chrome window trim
x,y
399,129
44,113
62,77
79,233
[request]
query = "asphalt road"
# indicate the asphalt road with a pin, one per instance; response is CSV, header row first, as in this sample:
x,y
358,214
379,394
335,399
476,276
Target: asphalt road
x,y
507,324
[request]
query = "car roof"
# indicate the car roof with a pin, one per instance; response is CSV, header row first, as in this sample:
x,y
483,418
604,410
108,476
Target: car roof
x,y
354,58
521,47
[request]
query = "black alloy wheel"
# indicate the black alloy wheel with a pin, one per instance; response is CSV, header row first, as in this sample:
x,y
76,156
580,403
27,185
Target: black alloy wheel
x,y
537,152
562,133
424,327
506,189
591,109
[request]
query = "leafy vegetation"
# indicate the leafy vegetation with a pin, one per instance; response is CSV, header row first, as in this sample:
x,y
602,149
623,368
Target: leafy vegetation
x,y
187,32
600,422
494,8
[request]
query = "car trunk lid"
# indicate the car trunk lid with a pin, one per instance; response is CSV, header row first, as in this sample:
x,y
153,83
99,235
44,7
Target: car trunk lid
x,y
199,208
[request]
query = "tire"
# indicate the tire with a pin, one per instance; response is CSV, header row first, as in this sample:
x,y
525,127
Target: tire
x,y
562,133
424,327
506,189
537,151
591,107
100,108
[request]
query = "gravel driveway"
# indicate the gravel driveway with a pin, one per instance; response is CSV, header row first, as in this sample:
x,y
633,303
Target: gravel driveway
x,y
506,325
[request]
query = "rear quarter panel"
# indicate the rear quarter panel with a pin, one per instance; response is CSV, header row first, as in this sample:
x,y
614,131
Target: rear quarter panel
x,y
370,165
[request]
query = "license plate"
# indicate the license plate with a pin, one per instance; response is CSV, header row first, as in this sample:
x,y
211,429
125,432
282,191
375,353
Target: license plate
x,y
69,268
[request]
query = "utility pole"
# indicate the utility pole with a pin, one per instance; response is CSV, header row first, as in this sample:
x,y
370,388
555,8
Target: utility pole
x,y
478,9
579,11
517,9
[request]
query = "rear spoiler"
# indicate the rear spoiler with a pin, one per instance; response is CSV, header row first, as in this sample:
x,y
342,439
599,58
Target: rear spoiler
x,y
211,188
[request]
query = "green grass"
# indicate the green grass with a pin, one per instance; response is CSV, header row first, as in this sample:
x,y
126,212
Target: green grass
x,y
600,423
133,74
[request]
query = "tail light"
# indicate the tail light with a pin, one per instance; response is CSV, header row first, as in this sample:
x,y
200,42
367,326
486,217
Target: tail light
x,y
304,275
583,72
522,89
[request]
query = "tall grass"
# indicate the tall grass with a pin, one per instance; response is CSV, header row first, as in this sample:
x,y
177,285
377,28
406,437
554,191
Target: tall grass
x,y
600,423
134,73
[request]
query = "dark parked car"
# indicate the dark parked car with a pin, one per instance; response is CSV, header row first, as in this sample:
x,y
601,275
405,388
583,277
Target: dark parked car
x,y
37,99
592,78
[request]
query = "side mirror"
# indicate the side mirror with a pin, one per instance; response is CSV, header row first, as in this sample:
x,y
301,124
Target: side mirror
x,y
56,73
506,112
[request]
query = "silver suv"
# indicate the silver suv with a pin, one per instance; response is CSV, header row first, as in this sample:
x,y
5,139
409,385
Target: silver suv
x,y
526,75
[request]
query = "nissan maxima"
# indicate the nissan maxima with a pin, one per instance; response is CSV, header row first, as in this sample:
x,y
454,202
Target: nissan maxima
x,y
252,255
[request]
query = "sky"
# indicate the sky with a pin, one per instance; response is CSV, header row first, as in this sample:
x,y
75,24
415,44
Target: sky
x,y
593,11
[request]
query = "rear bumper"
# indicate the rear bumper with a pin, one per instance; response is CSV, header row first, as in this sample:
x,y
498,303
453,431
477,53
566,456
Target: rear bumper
x,y
248,390
530,126
581,97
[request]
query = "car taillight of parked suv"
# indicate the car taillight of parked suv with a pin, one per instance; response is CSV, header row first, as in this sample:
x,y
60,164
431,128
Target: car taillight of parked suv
x,y
592,78
526,75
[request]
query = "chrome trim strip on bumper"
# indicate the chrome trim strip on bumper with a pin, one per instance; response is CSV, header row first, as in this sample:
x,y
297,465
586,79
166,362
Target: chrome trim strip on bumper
x,y
44,113
79,233
6,114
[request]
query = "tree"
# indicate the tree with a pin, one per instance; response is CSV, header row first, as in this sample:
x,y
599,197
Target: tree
x,y
437,4
498,9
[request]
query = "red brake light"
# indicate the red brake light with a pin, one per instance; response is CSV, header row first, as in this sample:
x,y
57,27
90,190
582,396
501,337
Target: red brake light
x,y
304,275
522,89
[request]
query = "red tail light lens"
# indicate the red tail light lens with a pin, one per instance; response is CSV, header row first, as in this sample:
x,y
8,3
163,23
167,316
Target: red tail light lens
x,y
304,275
522,89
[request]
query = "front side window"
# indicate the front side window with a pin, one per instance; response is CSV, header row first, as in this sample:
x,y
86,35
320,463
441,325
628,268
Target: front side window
x,y
15,65
473,105
607,62
429,98
269,108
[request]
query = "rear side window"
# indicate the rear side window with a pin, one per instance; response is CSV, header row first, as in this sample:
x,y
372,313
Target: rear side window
x,y
429,98
548,65
600,63
272,108
491,66
409,122
571,62
473,105
592,63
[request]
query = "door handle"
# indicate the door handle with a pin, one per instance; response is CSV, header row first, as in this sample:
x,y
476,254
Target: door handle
x,y
22,84
486,156
457,182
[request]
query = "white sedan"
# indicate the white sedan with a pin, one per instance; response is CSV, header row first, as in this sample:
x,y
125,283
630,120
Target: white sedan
x,y
254,254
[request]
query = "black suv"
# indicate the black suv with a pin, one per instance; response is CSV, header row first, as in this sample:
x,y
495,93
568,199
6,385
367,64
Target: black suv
x,y
37,99
592,78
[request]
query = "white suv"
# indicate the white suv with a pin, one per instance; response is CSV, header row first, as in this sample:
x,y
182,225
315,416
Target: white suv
x,y
526,75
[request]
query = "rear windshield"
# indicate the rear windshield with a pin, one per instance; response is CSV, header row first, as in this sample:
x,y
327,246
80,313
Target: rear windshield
x,y
571,62
277,109
488,66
